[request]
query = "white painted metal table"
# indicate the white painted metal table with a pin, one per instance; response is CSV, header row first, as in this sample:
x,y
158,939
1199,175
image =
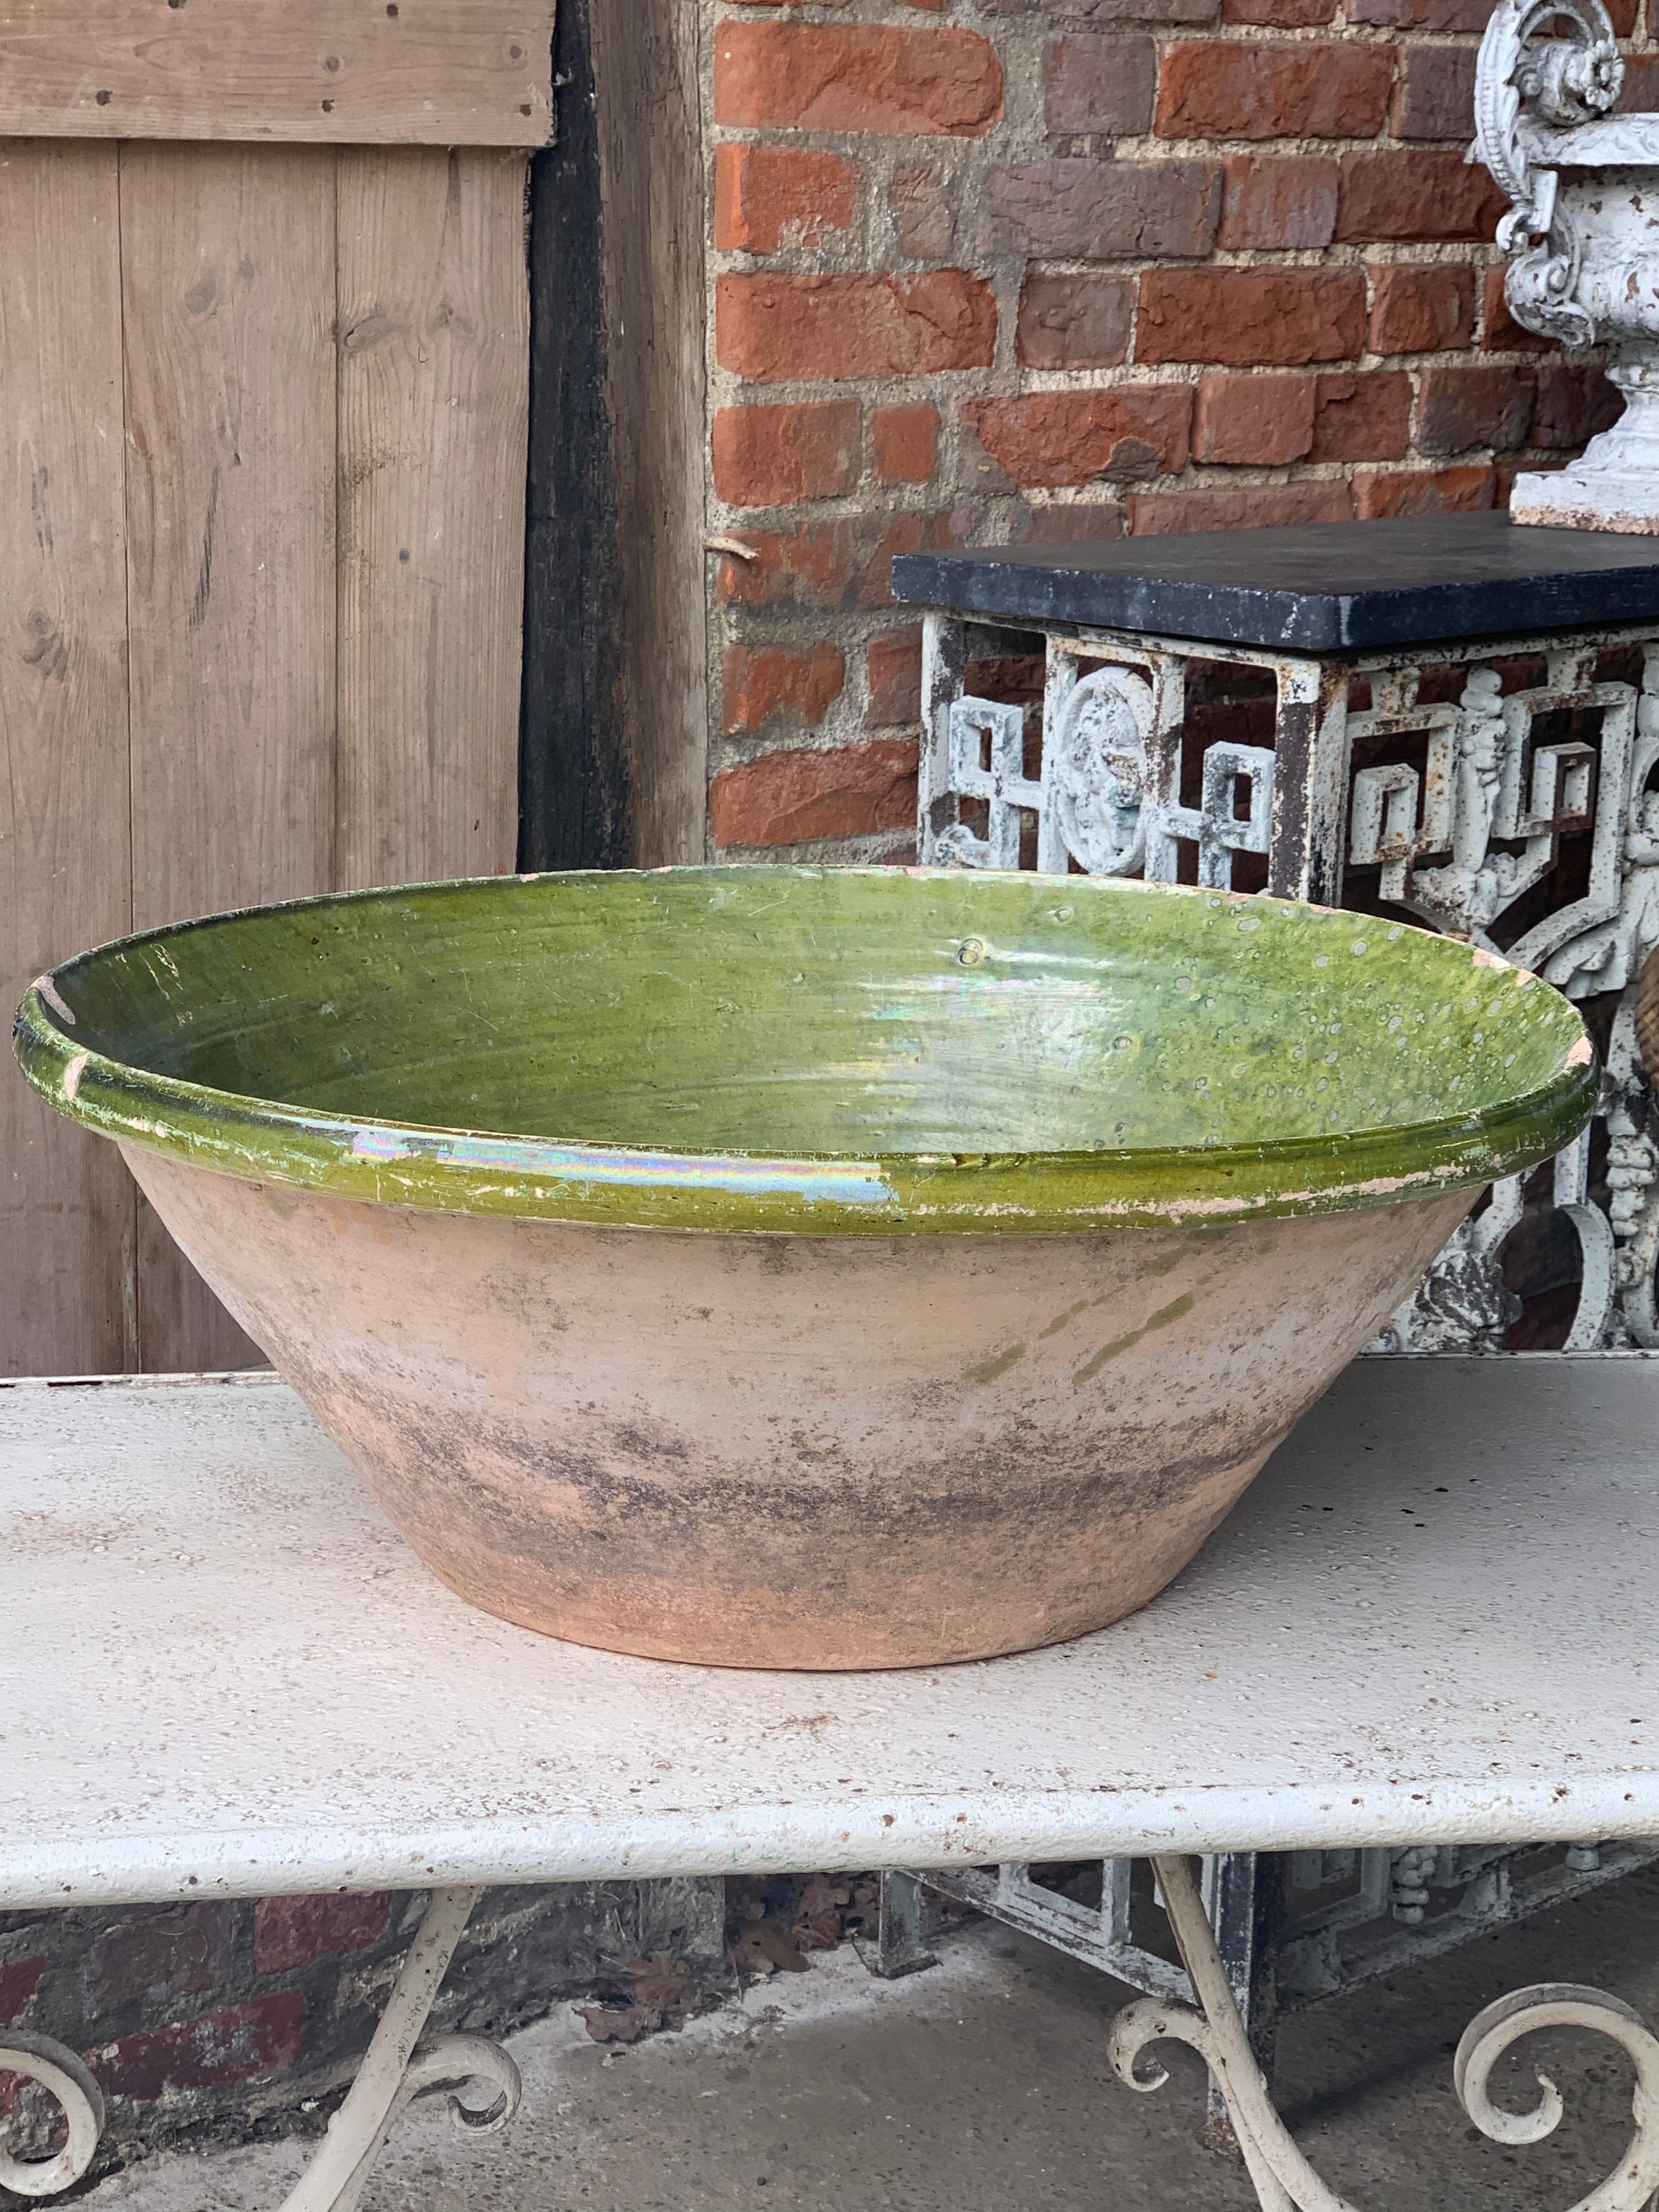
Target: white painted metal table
x,y
1431,1620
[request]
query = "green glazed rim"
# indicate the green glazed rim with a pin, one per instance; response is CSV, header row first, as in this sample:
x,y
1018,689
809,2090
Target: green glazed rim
x,y
905,1050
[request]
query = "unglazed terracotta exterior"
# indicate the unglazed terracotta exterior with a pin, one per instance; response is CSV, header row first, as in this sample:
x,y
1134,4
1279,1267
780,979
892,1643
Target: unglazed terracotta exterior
x,y
773,1451
807,1268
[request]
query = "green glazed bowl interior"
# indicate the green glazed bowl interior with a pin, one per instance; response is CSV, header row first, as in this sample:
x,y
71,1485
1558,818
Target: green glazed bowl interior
x,y
837,1050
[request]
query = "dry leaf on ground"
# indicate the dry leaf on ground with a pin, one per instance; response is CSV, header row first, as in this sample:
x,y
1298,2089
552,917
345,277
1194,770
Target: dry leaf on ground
x,y
764,1945
658,1980
619,2023
817,1923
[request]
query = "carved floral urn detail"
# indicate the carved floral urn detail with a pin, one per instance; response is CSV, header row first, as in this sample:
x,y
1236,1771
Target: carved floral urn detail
x,y
1583,236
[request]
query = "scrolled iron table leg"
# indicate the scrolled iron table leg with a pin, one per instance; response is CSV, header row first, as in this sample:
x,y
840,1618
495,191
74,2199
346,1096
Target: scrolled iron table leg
x,y
62,2075
394,2072
1284,2180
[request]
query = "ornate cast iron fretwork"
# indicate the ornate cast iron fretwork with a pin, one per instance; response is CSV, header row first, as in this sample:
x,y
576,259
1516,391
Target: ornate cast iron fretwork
x,y
1467,788
1093,808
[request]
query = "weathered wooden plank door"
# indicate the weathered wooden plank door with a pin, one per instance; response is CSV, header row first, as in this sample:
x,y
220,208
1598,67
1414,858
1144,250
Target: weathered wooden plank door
x,y
261,520
67,1218
434,346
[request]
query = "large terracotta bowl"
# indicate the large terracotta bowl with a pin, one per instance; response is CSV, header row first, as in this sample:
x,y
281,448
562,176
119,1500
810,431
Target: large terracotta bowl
x,y
786,1267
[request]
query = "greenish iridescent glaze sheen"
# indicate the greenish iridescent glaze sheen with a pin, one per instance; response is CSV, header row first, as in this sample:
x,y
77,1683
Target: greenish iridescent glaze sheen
x,y
837,1050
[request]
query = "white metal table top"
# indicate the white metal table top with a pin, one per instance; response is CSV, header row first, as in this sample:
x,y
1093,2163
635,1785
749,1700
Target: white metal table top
x,y
222,1673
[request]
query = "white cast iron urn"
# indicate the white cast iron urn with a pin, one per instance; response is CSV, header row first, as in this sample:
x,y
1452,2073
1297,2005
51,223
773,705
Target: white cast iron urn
x,y
1583,236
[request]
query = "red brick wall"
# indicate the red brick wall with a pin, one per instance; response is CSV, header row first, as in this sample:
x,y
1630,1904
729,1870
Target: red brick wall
x,y
994,270
213,2019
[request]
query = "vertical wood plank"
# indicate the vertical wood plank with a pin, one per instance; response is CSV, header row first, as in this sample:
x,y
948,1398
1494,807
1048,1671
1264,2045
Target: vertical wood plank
x,y
227,263
433,376
654,198
66,1202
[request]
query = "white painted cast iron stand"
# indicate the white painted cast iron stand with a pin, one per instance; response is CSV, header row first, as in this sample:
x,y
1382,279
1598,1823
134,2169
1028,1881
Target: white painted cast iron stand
x,y
1440,1596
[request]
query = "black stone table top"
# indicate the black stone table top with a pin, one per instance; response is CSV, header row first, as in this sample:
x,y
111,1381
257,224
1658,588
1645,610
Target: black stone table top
x,y
1321,587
